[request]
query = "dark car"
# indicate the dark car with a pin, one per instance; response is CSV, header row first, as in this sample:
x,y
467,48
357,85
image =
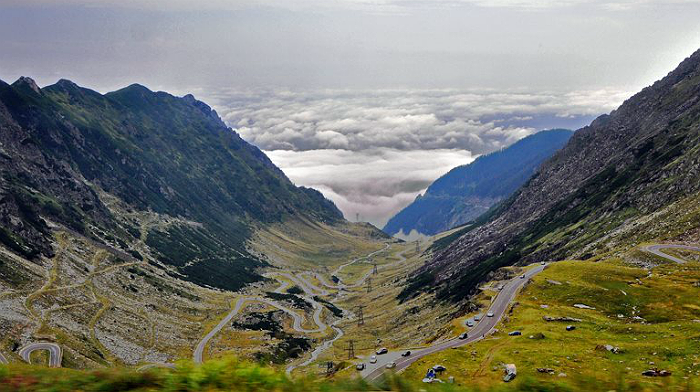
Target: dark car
x,y
382,350
463,336
406,353
439,368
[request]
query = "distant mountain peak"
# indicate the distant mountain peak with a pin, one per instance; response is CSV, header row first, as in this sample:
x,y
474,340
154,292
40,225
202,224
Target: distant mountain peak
x,y
25,81
467,191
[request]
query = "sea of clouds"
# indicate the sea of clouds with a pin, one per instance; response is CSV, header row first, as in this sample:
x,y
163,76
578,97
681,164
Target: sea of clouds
x,y
373,152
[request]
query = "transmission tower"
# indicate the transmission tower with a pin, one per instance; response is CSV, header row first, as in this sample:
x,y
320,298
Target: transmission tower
x,y
351,349
374,271
369,285
360,315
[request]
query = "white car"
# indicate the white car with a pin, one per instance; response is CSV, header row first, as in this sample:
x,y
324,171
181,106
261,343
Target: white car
x,y
489,314
543,263
470,324
463,336
360,366
522,276
391,365
382,350
477,317
373,359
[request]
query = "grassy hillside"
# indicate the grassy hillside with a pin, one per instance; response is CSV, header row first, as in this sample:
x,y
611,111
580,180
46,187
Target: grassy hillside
x,y
651,315
63,146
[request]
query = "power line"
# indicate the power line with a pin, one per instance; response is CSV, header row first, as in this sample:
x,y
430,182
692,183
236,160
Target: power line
x,y
360,315
351,349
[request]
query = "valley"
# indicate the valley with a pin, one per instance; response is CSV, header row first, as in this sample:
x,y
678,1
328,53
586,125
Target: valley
x,y
140,232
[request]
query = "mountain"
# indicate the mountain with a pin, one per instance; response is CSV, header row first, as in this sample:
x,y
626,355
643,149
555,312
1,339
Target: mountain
x,y
468,191
97,165
628,177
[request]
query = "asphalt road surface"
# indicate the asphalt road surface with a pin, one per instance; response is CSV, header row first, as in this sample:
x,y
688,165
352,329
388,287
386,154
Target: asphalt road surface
x,y
656,249
55,352
374,371
3,360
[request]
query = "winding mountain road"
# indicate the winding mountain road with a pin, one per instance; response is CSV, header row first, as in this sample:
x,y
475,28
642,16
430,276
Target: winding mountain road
x,y
55,352
3,360
310,291
485,326
656,250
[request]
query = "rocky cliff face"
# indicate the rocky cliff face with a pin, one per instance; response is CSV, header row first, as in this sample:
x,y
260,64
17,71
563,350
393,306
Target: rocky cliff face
x,y
470,190
73,158
624,167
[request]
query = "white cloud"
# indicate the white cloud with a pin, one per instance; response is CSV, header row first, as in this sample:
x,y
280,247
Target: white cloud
x,y
373,183
476,121
372,152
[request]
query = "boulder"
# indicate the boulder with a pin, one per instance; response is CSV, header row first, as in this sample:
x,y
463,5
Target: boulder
x,y
545,370
510,372
656,373
562,319
514,333
582,306
608,347
570,327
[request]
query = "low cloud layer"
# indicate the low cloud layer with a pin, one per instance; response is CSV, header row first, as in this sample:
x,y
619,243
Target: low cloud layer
x,y
373,184
373,152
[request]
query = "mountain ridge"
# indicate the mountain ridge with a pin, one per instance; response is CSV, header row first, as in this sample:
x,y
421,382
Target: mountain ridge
x,y
64,145
467,191
625,166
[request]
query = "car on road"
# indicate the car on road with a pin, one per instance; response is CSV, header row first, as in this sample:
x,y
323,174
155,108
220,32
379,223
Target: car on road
x,y
543,263
463,336
439,368
391,365
489,314
360,366
382,350
406,353
522,276
373,359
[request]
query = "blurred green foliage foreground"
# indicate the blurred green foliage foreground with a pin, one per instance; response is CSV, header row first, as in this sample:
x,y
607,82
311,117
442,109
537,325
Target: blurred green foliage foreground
x,y
231,374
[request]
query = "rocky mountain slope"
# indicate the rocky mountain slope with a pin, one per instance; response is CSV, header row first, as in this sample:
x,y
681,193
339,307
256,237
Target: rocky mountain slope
x,y
630,176
64,149
468,191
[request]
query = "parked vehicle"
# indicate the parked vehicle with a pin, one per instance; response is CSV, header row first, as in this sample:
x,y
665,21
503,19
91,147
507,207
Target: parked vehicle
x,y
470,324
360,366
463,336
373,359
382,350
439,368
477,317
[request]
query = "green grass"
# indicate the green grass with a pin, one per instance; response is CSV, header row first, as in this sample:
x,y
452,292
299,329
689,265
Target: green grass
x,y
230,374
666,337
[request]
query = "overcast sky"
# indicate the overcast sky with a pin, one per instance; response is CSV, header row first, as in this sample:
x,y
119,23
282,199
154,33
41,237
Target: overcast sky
x,y
366,100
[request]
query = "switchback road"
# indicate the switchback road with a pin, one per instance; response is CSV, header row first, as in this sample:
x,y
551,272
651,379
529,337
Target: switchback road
x,y
656,249
483,328
55,352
